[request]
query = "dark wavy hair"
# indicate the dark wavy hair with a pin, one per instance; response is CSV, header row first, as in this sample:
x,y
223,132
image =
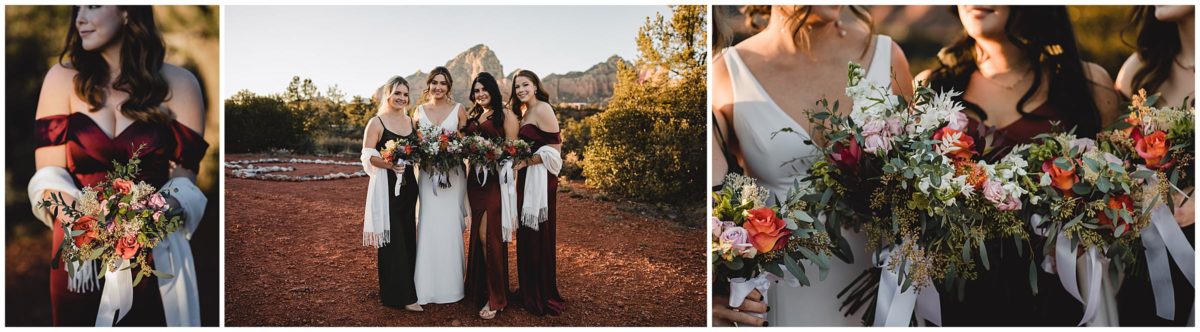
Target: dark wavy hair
x,y
1046,40
435,72
797,20
540,94
495,103
142,54
1157,45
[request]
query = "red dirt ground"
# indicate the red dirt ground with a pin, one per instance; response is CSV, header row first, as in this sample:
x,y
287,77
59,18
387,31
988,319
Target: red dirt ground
x,y
294,257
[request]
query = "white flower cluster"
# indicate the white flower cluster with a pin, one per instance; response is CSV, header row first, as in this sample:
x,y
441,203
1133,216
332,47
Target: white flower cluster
x,y
940,109
876,110
1003,188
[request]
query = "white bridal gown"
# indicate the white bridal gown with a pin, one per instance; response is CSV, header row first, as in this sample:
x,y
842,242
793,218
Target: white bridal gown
x,y
755,117
440,259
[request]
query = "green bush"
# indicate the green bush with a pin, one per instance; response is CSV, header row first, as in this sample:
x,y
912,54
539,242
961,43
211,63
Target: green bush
x,y
257,123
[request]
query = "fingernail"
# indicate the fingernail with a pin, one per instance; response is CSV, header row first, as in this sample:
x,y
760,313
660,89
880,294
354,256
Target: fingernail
x,y
768,308
766,324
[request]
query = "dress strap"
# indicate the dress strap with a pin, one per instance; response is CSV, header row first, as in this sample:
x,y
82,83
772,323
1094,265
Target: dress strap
x,y
382,124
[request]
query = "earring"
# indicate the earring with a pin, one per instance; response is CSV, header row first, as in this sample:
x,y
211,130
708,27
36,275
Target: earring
x,y
838,24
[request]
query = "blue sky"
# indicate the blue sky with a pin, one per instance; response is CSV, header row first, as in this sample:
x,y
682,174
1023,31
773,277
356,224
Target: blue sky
x,y
358,47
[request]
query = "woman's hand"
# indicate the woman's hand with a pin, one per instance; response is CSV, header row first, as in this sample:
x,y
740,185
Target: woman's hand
x,y
56,211
399,168
519,165
1185,214
723,315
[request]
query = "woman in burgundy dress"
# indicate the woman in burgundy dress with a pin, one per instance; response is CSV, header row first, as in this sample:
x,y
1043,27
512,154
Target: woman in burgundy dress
x,y
1019,69
536,247
487,260
109,94
1164,63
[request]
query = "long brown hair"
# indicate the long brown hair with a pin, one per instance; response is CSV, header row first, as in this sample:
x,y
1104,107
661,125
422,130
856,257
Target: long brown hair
x,y
1046,40
1157,45
540,93
142,55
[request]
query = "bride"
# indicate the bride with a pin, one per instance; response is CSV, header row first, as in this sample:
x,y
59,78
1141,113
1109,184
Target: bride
x,y
764,84
440,211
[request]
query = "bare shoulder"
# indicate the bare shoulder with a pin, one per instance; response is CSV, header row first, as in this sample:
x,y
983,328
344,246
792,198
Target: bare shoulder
x,y
923,76
179,78
1124,81
57,89
1097,74
722,86
184,100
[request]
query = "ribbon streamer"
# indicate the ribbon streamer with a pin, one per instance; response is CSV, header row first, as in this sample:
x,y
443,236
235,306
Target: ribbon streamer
x,y
117,297
399,178
1161,238
894,307
1066,263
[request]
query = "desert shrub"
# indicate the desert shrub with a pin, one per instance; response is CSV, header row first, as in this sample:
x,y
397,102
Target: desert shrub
x,y
257,123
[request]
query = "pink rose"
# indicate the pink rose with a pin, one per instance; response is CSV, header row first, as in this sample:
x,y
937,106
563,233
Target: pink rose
x,y
738,239
994,192
158,215
716,225
873,127
1083,144
123,186
157,201
876,143
895,126
957,121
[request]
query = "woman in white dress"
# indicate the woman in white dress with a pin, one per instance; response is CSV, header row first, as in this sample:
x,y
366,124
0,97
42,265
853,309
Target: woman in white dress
x,y
764,84
440,221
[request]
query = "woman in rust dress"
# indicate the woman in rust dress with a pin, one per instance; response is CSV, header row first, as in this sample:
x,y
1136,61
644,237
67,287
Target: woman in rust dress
x,y
1019,70
487,260
536,268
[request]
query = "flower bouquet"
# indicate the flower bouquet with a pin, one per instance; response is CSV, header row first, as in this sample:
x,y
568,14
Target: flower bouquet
x,y
116,222
401,151
440,153
753,243
483,154
516,150
910,177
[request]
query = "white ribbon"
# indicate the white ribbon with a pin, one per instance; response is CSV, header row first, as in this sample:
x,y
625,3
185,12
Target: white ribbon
x,y
117,297
740,288
173,255
399,178
481,174
1161,238
894,307
1065,258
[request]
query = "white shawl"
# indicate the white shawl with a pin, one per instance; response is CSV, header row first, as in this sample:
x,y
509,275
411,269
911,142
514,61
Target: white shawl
x,y
376,222
508,200
180,295
534,208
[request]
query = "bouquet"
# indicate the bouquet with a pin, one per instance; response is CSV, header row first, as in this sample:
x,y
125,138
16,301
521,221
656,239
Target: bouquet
x,y
1161,140
1089,199
116,222
483,154
401,151
516,150
909,175
440,153
754,243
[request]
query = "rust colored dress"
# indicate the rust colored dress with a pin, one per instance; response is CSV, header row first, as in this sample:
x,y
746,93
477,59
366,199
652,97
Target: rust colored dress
x,y
90,154
487,273
536,268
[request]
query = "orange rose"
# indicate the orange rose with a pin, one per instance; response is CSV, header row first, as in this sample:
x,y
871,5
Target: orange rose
x,y
87,224
123,186
964,142
1153,148
767,231
128,246
1118,203
1061,179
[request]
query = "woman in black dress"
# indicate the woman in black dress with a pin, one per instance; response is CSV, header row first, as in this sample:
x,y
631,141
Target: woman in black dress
x,y
398,252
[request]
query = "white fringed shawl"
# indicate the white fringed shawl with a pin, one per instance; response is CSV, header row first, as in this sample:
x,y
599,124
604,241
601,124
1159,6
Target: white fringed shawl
x,y
376,223
534,208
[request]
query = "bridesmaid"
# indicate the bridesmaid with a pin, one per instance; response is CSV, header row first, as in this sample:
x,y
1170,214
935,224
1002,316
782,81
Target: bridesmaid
x,y
397,255
536,248
109,93
1020,69
1164,63
487,262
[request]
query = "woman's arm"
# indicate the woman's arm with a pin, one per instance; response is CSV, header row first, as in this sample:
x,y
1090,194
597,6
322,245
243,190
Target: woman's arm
x,y
902,83
54,99
511,124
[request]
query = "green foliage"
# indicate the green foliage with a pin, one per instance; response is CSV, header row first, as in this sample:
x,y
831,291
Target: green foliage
x,y
649,144
257,123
